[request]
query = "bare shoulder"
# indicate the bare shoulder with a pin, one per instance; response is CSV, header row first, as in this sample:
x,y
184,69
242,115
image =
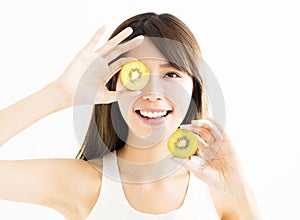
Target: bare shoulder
x,y
80,183
223,205
70,186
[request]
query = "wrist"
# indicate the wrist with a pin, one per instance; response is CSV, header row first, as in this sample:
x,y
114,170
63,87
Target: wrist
x,y
241,192
245,202
60,98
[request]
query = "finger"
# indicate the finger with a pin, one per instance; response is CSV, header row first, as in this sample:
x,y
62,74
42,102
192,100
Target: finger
x,y
115,40
202,123
195,167
222,134
121,95
211,137
198,161
120,49
202,144
201,169
201,141
217,127
116,66
204,133
211,126
217,134
208,154
217,124
113,96
95,39
202,126
97,70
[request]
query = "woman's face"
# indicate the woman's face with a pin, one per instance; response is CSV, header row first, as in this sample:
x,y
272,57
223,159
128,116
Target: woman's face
x,y
162,104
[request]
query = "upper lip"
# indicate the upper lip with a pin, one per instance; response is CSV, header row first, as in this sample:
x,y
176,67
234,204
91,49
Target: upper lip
x,y
153,109
153,112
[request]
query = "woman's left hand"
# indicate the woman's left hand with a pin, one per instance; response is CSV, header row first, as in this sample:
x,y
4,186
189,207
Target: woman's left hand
x,y
222,168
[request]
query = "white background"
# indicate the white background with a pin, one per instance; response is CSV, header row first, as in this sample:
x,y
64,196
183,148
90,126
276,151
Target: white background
x,y
252,47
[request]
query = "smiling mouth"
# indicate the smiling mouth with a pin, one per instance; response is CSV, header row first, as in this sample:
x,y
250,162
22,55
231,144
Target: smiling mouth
x,y
153,114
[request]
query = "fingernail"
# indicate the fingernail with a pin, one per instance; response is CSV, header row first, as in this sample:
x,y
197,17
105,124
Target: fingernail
x,y
198,122
184,126
104,26
130,29
140,37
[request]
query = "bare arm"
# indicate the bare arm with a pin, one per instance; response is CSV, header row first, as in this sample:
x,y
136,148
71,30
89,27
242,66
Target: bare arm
x,y
83,82
246,204
56,183
24,113
53,182
223,171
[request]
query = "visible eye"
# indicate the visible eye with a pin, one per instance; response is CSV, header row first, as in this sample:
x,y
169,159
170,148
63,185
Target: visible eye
x,y
172,75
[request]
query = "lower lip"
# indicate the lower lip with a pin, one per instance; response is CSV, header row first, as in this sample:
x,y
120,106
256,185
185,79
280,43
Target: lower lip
x,y
154,121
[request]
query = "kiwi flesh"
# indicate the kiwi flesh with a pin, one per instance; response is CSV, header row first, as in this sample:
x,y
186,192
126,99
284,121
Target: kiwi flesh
x,y
134,75
182,143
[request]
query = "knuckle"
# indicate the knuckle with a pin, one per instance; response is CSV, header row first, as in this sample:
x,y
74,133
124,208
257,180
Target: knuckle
x,y
109,44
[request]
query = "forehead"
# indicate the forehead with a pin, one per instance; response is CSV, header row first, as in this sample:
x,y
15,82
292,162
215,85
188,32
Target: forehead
x,y
146,50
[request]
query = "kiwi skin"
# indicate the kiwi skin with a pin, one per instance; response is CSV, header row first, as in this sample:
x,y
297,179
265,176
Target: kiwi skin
x,y
182,143
134,75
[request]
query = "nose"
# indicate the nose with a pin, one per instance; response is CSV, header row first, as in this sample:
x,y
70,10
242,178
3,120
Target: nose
x,y
153,91
152,97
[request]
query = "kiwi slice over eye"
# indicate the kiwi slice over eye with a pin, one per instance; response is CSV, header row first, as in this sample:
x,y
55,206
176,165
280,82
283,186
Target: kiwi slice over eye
x,y
134,75
182,143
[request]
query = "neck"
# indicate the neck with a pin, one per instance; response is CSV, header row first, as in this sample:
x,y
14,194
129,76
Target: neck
x,y
138,165
144,154
147,148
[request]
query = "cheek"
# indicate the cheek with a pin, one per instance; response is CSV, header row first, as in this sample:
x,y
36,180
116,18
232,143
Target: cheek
x,y
180,95
125,108
125,104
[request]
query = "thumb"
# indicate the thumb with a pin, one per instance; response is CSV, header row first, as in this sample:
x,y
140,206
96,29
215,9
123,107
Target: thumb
x,y
195,167
121,95
195,164
106,97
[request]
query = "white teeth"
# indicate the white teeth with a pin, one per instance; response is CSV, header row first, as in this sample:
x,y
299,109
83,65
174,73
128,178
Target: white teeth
x,y
156,114
153,114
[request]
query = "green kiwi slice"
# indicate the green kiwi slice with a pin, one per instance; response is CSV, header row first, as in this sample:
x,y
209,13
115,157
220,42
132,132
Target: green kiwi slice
x,y
134,75
182,143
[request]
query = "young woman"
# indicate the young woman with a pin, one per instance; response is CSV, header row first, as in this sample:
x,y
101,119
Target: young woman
x,y
124,169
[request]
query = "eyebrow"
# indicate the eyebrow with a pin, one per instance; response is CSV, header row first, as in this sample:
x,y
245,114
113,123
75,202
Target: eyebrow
x,y
166,65
169,65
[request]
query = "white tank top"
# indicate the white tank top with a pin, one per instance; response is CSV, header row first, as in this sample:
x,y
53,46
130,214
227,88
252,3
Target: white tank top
x,y
113,205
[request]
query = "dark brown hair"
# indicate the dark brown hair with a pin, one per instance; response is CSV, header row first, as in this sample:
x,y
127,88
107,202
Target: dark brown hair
x,y
107,130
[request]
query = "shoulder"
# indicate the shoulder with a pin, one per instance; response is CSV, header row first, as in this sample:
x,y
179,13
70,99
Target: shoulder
x,y
73,172
84,182
71,186
78,184
223,205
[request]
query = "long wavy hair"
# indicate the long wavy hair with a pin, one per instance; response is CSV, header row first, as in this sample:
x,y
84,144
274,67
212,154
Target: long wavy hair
x,y
103,135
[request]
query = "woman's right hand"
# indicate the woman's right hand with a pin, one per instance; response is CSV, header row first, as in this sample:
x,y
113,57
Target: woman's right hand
x,y
84,80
